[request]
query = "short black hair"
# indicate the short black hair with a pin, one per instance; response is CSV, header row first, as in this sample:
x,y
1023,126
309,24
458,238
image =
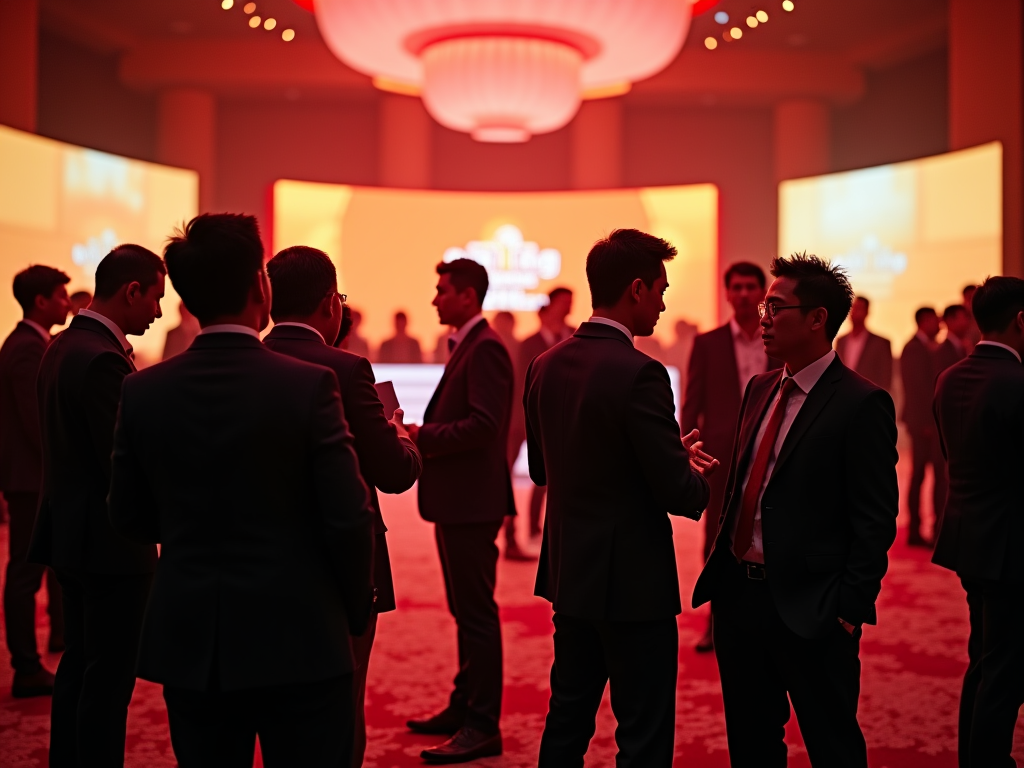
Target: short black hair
x,y
970,288
953,309
128,263
624,256
212,262
865,299
466,273
300,278
402,315
745,269
80,295
924,312
818,284
559,291
997,302
37,280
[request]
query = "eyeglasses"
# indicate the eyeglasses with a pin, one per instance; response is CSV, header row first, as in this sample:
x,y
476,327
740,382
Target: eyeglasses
x,y
343,297
771,308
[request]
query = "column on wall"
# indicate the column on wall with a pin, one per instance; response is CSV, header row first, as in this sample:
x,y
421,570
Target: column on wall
x,y
596,146
986,91
802,146
19,63
405,143
187,136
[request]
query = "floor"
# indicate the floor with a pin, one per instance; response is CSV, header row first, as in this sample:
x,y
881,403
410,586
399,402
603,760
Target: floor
x,y
912,665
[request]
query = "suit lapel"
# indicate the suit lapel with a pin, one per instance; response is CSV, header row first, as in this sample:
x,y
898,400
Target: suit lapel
x,y
453,361
816,400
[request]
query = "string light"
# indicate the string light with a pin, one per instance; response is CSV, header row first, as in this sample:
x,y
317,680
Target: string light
x,y
249,7
269,24
787,5
288,35
227,5
736,33
710,43
751,22
761,16
254,22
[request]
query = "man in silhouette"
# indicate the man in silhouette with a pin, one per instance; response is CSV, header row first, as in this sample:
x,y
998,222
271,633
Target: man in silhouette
x,y
181,336
808,519
865,352
721,364
307,311
43,296
979,409
466,491
953,349
105,578
264,521
603,438
400,348
919,369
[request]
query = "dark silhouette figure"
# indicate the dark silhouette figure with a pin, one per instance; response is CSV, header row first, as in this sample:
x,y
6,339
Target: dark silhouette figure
x,y
865,352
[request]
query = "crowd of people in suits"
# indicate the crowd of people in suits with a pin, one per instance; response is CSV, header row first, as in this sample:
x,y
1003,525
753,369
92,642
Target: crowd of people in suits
x,y
211,523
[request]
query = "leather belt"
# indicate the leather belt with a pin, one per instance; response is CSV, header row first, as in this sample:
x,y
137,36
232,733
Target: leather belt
x,y
755,571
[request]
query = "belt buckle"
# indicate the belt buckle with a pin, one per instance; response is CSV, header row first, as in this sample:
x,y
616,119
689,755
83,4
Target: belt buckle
x,y
755,571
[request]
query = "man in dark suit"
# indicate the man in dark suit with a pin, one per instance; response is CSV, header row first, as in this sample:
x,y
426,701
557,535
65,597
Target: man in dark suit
x,y
979,409
953,349
809,516
603,438
239,462
43,296
105,578
865,352
721,364
918,369
466,491
307,311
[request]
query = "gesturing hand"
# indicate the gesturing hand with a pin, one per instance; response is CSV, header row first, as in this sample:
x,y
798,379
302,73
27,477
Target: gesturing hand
x,y
396,419
701,462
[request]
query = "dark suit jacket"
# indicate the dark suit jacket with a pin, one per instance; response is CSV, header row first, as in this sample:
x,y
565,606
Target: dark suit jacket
x,y
387,461
603,437
529,348
948,354
918,371
979,407
828,513
21,452
464,437
875,363
239,462
79,387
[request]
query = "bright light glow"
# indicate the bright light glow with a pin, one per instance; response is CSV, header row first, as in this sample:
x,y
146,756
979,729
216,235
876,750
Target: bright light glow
x,y
393,86
249,7
510,69
227,5
751,22
761,16
735,33
722,17
787,5
710,43
254,21
607,91
288,35
269,24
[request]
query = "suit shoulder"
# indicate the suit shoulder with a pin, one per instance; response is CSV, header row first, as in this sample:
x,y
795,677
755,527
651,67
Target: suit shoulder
x,y
719,335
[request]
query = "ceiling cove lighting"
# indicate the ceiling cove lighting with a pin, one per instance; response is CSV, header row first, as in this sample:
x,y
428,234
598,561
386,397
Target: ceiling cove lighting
x,y
504,70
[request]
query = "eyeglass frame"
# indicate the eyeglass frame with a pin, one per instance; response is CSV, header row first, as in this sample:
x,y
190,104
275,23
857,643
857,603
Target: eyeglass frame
x,y
762,308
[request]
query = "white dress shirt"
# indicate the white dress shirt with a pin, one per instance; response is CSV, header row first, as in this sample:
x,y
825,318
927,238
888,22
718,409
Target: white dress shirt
x,y
301,325
456,338
750,356
111,326
853,348
37,328
611,323
230,328
999,344
805,381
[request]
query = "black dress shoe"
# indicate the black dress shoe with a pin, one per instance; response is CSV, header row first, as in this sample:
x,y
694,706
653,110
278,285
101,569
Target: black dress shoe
x,y
36,684
468,744
446,723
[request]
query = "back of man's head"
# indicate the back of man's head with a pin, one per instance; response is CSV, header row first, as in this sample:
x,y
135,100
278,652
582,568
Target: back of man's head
x,y
624,256
923,314
213,263
300,278
124,265
37,280
997,303
466,273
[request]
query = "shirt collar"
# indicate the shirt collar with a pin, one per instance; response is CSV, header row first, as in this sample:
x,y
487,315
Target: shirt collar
x,y
229,328
612,324
738,332
463,332
808,377
111,326
37,327
999,344
300,325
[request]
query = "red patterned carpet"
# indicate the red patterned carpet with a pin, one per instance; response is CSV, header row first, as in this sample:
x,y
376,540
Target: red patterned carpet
x,y
912,665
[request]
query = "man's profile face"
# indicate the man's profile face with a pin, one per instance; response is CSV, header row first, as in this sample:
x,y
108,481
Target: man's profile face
x,y
146,306
55,309
454,307
958,323
651,305
859,312
560,307
929,325
744,293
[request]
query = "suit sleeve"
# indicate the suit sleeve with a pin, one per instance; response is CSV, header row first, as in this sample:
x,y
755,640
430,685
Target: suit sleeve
x,y
387,461
534,447
654,434
131,503
696,387
102,394
342,511
873,503
24,370
490,398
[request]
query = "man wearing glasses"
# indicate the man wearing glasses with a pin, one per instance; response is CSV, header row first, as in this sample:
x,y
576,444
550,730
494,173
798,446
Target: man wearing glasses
x,y
808,519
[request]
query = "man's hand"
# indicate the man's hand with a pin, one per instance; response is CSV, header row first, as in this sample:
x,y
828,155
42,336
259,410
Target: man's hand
x,y
396,419
413,430
701,462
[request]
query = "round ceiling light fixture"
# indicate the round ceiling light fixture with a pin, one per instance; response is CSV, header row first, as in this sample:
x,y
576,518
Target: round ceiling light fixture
x,y
504,70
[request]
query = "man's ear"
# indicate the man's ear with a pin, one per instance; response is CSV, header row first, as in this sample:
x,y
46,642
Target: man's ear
x,y
820,318
260,289
326,308
132,291
634,289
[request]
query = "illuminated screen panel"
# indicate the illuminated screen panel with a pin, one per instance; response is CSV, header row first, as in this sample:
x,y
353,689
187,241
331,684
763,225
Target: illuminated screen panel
x,y
910,234
386,244
66,207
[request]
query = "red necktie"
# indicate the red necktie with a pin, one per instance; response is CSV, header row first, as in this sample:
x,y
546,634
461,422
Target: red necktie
x,y
744,537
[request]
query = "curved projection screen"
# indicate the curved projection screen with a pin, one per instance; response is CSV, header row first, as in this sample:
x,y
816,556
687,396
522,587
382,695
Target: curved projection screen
x,y
910,234
66,207
386,244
